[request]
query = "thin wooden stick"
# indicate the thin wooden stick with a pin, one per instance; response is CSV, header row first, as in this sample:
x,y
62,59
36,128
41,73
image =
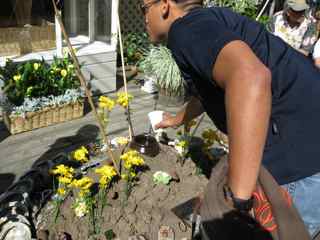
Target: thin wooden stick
x,y
262,10
131,133
197,126
84,85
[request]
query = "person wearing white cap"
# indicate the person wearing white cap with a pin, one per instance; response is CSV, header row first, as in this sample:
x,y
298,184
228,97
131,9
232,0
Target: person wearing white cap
x,y
295,26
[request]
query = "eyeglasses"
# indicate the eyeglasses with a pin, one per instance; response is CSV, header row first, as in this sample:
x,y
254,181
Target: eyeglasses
x,y
145,6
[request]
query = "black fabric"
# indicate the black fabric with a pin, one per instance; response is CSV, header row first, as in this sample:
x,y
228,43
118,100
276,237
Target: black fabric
x,y
292,148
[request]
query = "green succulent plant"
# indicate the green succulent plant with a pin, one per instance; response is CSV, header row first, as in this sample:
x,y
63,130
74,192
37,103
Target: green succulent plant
x,y
160,64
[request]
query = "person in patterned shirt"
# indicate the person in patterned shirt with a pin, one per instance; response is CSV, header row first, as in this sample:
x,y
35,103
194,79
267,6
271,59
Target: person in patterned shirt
x,y
295,26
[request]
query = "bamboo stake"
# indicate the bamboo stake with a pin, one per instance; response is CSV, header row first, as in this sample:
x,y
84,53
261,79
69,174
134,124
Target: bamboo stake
x,y
84,85
131,134
262,10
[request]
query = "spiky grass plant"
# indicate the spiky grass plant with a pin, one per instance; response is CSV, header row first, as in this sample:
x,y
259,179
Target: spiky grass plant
x,y
159,63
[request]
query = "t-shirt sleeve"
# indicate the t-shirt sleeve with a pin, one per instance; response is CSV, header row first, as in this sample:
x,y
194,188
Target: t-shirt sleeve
x,y
197,45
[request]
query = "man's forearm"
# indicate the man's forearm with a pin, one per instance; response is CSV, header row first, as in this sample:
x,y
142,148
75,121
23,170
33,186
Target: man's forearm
x,y
248,104
192,110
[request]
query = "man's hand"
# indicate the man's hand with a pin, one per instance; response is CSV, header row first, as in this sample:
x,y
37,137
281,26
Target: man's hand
x,y
191,110
169,121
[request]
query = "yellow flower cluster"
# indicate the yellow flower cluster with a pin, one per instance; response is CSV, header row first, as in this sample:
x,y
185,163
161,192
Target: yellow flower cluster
x,y
81,155
65,176
107,173
36,66
61,191
17,77
63,170
64,73
182,144
132,158
125,176
124,99
105,102
209,137
83,185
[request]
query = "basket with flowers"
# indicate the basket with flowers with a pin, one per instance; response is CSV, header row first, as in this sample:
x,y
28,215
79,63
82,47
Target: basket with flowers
x,y
38,94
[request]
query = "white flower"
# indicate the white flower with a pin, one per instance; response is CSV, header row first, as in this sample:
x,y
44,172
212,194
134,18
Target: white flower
x,y
81,209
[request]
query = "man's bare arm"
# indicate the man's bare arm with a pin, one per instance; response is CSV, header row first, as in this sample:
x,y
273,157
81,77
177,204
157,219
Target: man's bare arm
x,y
247,84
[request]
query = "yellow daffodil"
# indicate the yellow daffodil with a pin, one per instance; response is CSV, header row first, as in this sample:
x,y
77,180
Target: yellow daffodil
x,y
63,171
132,158
17,77
64,180
81,155
64,73
105,102
124,99
106,171
84,183
61,191
36,66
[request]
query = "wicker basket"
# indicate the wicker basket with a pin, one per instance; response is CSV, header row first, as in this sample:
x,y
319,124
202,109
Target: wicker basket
x,y
43,118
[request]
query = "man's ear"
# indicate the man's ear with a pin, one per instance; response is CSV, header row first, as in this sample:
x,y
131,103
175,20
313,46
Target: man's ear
x,y
165,8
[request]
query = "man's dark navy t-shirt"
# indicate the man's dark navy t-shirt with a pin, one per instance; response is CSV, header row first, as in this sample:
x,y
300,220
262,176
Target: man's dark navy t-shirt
x,y
292,149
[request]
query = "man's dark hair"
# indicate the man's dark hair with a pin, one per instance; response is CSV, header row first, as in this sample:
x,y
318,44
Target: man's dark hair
x,y
187,5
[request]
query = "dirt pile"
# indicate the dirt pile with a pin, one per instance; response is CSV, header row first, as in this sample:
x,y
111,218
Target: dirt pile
x,y
148,207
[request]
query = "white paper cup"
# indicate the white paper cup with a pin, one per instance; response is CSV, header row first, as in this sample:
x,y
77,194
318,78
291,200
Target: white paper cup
x,y
155,117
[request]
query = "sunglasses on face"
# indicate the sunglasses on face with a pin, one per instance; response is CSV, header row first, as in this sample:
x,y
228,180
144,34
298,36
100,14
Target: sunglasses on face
x,y
145,6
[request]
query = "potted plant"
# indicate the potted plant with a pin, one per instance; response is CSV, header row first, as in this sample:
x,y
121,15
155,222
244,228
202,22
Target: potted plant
x,y
38,94
160,66
134,46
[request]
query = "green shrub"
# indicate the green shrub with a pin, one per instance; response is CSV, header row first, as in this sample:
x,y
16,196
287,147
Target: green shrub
x,y
37,78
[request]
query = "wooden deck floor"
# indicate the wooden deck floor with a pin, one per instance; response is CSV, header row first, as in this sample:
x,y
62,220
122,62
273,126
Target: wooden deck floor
x,y
19,152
